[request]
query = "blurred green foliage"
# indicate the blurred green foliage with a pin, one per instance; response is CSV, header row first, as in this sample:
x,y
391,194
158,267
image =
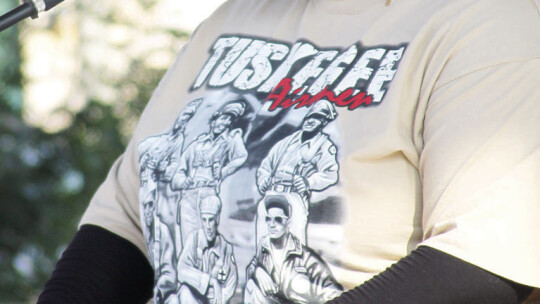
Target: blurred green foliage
x,y
44,180
47,180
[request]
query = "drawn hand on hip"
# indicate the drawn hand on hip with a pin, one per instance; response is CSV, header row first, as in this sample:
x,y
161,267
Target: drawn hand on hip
x,y
300,183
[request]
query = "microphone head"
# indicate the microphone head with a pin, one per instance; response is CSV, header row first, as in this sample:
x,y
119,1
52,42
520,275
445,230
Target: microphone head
x,y
51,3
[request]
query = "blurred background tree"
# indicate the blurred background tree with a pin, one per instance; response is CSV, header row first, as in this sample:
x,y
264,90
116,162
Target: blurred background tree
x,y
72,86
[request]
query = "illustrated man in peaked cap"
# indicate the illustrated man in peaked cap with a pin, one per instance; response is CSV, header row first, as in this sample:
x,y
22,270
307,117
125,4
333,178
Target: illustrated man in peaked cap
x,y
207,161
295,166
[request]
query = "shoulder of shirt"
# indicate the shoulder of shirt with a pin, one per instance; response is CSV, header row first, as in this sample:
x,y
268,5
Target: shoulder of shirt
x,y
516,21
193,237
225,244
327,142
236,133
202,137
237,13
471,35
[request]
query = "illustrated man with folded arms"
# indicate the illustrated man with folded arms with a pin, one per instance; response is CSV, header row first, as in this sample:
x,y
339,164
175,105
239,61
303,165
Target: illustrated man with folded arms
x,y
207,267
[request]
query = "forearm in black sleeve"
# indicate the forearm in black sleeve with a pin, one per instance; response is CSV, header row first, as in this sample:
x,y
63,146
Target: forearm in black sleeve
x,y
430,276
99,267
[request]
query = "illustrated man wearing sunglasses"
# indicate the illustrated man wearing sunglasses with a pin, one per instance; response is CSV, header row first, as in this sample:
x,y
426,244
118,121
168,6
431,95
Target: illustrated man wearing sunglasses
x,y
283,269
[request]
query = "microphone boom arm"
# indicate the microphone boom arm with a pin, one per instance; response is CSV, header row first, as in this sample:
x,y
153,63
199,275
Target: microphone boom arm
x,y
29,8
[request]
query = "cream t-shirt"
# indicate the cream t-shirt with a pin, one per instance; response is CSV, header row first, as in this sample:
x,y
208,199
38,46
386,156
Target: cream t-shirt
x,y
381,127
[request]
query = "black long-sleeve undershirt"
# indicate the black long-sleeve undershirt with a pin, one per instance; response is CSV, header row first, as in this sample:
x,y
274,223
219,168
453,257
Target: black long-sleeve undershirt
x,y
428,276
101,267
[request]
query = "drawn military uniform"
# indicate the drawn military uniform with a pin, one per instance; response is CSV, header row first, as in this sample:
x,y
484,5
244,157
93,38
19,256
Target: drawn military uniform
x,y
158,161
207,258
205,163
312,161
161,253
303,276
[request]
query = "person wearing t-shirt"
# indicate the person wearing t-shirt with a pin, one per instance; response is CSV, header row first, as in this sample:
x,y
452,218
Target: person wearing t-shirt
x,y
436,198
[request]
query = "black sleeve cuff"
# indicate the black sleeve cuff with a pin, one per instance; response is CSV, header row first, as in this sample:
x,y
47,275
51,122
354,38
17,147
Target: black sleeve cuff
x,y
99,267
430,276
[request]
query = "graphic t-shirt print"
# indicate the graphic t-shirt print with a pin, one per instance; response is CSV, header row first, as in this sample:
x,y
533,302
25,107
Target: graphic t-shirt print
x,y
240,196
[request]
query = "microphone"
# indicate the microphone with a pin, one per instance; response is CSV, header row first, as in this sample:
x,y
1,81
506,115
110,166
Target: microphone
x,y
29,8
51,3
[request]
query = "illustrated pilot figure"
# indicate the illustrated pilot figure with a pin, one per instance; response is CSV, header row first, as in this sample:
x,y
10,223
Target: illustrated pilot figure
x,y
283,269
158,161
207,267
207,161
301,163
160,251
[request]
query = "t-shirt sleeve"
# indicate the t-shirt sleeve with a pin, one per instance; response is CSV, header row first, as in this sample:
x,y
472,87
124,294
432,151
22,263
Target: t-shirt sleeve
x,y
480,162
481,169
